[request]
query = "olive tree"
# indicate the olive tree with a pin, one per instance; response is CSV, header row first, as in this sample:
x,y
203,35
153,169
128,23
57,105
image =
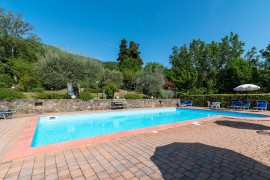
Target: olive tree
x,y
149,81
58,68
112,76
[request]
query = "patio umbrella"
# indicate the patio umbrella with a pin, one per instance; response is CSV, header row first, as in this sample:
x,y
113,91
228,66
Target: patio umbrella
x,y
247,87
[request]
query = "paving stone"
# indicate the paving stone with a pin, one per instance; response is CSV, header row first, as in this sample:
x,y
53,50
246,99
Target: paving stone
x,y
225,149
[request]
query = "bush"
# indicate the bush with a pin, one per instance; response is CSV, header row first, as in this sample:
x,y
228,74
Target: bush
x,y
166,94
133,96
85,96
109,89
49,95
93,90
225,99
29,82
5,81
9,94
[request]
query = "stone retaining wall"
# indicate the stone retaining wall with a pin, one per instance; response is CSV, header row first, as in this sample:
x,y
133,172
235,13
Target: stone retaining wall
x,y
36,106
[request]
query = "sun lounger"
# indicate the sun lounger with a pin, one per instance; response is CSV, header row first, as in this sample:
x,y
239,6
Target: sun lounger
x,y
189,103
261,104
245,105
182,103
235,104
6,114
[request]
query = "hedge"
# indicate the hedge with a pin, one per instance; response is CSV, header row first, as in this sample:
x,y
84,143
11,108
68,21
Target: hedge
x,y
225,99
10,94
49,95
92,90
85,96
133,96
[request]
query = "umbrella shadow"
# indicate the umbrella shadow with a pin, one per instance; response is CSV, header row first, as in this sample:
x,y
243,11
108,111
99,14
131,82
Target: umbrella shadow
x,y
242,125
196,160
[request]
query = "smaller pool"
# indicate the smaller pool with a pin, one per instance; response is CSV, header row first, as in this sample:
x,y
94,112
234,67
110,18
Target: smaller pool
x,y
52,130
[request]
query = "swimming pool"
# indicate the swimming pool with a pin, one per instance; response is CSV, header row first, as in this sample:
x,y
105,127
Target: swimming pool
x,y
71,127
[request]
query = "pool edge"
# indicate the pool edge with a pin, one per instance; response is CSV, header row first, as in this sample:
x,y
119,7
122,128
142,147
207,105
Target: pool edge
x,y
22,146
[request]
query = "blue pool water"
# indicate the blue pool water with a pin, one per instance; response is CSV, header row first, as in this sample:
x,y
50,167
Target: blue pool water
x,y
71,127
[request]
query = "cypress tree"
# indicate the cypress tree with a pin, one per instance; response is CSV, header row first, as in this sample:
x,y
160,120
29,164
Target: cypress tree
x,y
123,51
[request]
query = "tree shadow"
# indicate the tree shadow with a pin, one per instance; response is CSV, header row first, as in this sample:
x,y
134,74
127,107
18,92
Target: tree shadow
x,y
196,160
242,125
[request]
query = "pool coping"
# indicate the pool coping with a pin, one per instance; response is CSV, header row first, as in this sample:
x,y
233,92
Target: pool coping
x,y
22,146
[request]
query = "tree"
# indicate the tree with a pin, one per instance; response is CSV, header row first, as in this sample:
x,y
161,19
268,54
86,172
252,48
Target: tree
x,y
198,67
56,69
30,82
129,61
123,51
111,65
184,74
13,29
252,57
134,53
266,56
264,71
19,46
109,90
112,76
152,66
236,72
149,82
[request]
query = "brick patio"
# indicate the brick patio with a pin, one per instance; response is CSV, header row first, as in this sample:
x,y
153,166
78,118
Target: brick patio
x,y
223,149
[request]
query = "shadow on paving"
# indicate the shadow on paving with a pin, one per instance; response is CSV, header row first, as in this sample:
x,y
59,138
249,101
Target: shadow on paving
x,y
196,160
242,125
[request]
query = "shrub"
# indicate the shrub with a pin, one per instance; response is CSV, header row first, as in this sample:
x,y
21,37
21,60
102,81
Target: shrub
x,y
5,81
30,82
85,96
109,90
9,94
166,94
49,95
133,96
225,99
93,90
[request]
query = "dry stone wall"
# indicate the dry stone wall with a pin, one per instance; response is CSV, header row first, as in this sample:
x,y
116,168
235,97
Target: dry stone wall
x,y
69,105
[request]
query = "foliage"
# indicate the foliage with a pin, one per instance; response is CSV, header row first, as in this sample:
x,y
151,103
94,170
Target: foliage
x,y
200,65
112,76
30,82
58,68
149,82
129,61
9,94
13,29
109,90
266,55
5,81
133,96
123,51
51,95
93,90
225,99
85,96
111,65
169,85
166,94
236,72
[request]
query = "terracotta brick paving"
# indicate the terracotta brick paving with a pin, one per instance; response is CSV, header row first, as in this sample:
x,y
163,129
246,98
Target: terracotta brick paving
x,y
224,149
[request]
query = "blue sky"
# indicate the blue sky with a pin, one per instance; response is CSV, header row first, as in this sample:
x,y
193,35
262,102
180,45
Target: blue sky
x,y
95,27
